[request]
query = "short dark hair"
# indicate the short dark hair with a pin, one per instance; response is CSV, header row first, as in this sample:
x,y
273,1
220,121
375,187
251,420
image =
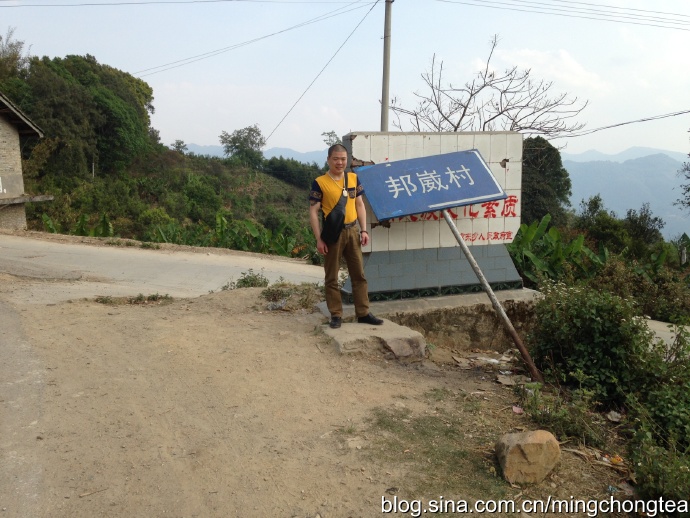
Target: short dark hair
x,y
336,147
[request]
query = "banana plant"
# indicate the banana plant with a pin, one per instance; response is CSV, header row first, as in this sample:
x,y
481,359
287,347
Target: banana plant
x,y
48,224
523,249
539,252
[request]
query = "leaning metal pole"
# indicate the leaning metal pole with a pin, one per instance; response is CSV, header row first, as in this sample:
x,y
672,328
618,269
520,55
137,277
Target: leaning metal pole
x,y
534,372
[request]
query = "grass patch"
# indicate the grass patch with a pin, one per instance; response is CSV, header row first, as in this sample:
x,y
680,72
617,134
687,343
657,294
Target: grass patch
x,y
291,297
281,295
440,458
348,430
155,298
249,279
439,394
140,299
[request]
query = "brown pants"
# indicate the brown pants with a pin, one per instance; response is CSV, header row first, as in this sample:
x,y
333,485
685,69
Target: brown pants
x,y
349,247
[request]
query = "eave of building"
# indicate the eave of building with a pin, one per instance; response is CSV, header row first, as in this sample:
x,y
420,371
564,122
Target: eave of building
x,y
14,115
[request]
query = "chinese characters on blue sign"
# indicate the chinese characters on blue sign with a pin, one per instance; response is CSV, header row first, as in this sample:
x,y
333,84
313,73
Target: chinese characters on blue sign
x,y
419,185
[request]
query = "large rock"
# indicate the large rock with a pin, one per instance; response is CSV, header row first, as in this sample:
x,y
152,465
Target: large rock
x,y
526,458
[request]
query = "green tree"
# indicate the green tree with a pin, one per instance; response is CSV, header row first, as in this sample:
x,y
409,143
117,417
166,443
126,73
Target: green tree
x,y
67,113
644,229
292,171
13,60
601,226
125,103
546,185
96,116
330,138
244,145
179,146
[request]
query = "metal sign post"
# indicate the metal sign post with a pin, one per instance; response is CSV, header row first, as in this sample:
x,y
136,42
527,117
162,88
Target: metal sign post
x,y
534,372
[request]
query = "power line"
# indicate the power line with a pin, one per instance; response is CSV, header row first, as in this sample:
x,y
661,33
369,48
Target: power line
x,y
321,71
572,13
212,53
153,2
621,8
598,11
646,119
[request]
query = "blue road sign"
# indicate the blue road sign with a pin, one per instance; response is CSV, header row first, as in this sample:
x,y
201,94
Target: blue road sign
x,y
428,184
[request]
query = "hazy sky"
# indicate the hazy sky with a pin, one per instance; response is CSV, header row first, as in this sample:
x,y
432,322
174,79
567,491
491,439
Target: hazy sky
x,y
627,71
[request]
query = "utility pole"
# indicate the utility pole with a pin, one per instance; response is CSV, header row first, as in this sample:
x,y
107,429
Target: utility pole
x,y
386,66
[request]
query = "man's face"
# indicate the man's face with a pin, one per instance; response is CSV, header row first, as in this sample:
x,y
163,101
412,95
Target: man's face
x,y
337,162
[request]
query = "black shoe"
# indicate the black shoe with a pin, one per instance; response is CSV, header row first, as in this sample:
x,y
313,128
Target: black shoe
x,y
335,322
370,319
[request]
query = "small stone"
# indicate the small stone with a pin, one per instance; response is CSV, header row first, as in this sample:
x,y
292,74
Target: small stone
x,y
614,416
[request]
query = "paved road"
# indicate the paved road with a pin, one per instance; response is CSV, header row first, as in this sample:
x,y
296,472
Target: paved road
x,y
78,270
81,270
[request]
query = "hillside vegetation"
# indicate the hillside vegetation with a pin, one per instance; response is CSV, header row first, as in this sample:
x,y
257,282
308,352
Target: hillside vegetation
x,y
111,175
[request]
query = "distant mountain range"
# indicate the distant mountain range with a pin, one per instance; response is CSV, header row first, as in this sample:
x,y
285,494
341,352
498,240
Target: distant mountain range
x,y
628,154
311,156
627,183
588,156
625,180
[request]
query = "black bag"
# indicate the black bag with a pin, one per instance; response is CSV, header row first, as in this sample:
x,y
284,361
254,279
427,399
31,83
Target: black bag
x,y
334,223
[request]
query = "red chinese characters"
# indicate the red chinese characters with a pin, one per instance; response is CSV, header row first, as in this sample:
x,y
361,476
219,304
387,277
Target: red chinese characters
x,y
488,236
489,210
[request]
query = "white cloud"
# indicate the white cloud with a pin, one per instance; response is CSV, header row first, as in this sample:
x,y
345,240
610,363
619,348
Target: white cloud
x,y
558,66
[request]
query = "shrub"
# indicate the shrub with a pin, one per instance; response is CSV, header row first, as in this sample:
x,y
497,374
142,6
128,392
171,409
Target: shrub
x,y
249,279
598,340
595,333
661,470
155,216
665,400
659,291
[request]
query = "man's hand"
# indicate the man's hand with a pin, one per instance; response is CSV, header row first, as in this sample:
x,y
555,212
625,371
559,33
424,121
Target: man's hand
x,y
321,246
364,238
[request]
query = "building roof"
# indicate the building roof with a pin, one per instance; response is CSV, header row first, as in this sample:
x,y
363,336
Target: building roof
x,y
24,125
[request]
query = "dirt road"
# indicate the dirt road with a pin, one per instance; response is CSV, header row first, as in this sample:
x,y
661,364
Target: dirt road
x,y
213,406
207,406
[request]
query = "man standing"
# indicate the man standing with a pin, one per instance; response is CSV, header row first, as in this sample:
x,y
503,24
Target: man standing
x,y
326,193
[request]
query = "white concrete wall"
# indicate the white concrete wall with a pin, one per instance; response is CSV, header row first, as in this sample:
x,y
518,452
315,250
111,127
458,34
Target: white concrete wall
x,y
482,224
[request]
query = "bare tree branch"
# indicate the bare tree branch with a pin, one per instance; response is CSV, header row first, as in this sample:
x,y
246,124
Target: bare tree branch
x,y
511,101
